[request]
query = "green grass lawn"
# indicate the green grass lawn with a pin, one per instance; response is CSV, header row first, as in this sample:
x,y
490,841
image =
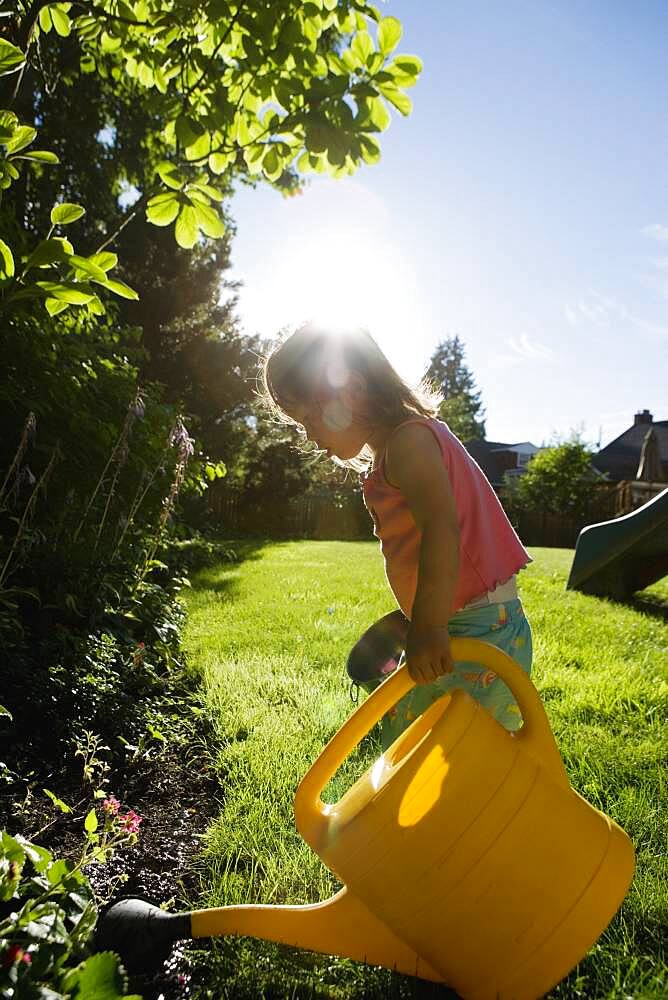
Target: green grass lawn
x,y
270,634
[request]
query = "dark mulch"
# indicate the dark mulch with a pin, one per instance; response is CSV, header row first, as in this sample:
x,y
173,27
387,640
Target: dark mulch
x,y
175,793
177,801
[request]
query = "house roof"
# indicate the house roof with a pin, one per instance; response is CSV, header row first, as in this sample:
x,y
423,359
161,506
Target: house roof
x,y
620,458
522,447
490,456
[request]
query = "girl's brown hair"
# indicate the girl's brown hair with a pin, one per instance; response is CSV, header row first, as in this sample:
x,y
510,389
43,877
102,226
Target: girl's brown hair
x,y
312,361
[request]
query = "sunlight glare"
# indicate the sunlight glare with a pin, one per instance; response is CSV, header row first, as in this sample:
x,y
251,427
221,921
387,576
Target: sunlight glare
x,y
335,261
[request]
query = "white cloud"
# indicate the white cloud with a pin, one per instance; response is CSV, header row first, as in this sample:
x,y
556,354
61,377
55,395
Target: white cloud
x,y
656,232
571,315
530,350
657,279
606,312
595,309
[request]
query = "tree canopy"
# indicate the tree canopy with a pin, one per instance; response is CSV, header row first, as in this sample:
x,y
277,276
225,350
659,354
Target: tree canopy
x,y
259,89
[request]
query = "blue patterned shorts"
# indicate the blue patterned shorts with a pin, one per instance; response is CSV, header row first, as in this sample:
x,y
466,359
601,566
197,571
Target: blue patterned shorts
x,y
503,625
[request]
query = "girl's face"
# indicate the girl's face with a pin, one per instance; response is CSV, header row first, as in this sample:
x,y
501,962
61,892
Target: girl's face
x,y
332,425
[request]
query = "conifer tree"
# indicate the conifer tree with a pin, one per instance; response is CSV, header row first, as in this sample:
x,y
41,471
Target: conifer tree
x,y
462,408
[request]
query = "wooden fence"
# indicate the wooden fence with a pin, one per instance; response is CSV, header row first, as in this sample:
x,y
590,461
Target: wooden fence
x,y
316,516
322,516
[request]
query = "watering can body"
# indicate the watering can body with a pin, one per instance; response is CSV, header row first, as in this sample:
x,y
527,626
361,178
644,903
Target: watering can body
x,y
466,857
468,844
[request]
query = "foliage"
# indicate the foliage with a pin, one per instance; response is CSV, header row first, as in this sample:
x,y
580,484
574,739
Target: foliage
x,y
48,913
50,270
559,479
461,408
82,584
273,470
232,89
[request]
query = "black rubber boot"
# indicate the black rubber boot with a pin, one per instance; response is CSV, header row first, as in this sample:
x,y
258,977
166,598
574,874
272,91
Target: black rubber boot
x,y
140,933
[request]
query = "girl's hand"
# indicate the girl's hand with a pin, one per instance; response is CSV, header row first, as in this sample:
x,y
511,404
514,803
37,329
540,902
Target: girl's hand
x,y
428,653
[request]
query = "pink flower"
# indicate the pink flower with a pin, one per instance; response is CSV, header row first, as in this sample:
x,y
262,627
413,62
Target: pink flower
x,y
14,954
130,821
111,805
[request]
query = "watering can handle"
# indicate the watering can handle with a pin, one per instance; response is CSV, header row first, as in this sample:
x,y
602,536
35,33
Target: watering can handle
x,y
535,734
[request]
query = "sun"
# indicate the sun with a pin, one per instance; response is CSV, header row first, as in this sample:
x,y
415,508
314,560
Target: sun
x,y
338,262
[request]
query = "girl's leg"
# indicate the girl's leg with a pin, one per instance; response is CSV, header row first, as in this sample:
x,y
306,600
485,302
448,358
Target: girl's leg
x,y
503,625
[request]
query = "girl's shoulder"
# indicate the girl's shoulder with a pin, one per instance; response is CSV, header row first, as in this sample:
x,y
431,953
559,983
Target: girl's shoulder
x,y
413,441
419,429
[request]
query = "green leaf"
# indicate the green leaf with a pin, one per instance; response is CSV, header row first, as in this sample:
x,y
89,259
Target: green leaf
x,y
11,57
209,221
45,22
378,113
188,131
40,155
64,242
47,252
40,857
64,808
109,43
105,260
370,149
361,47
214,193
100,977
171,175
96,307
6,262
4,712
74,294
200,148
218,162
186,229
55,306
91,822
271,163
22,137
61,20
119,288
88,267
162,209
389,33
63,214
405,70
145,75
401,101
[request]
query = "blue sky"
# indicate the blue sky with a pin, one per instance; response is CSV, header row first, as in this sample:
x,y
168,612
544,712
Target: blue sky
x,y
523,206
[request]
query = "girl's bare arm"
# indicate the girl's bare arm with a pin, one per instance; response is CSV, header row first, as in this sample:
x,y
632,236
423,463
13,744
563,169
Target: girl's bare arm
x,y
414,464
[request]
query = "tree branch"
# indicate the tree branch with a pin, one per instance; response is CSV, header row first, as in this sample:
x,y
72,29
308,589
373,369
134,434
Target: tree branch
x,y
139,204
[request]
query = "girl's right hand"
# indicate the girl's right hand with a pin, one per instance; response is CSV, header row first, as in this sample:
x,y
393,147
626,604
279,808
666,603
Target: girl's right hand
x,y
428,653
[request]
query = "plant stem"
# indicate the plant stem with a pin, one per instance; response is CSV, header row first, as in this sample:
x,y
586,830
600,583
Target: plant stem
x,y
28,508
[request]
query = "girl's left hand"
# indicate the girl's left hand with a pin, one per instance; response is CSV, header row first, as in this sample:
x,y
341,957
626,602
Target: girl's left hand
x,y
428,653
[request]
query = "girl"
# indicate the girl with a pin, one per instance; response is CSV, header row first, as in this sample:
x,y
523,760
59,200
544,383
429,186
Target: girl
x,y
450,553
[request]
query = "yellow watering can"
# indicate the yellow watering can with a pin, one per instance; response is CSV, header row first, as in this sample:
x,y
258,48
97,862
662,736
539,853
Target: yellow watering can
x,y
466,856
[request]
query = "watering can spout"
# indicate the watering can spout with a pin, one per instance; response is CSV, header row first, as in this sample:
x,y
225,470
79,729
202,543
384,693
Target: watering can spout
x,y
340,926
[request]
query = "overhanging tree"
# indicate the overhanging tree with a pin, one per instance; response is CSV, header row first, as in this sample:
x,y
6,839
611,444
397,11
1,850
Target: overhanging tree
x,y
260,89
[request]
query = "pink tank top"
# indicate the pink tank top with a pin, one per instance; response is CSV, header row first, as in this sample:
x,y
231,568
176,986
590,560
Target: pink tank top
x,y
489,550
